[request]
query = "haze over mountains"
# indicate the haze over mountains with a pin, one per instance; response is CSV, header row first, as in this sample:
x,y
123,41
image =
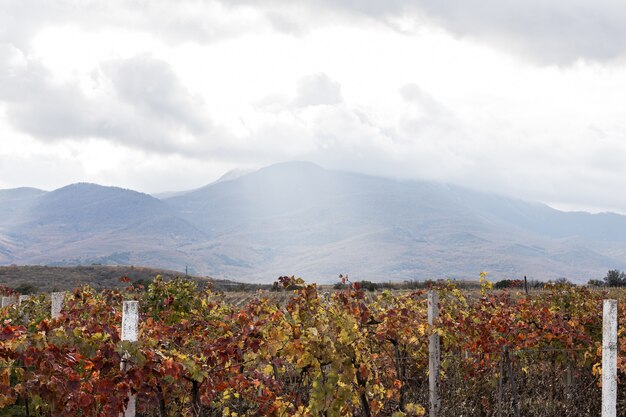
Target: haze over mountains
x,y
299,219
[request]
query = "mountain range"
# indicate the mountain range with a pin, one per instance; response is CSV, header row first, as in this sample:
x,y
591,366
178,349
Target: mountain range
x,y
297,218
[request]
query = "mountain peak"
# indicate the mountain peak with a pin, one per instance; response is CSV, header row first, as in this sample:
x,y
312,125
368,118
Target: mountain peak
x,y
21,192
293,166
298,218
84,186
233,174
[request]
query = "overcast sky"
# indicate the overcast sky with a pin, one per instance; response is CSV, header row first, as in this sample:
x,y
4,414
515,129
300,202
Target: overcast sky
x,y
525,98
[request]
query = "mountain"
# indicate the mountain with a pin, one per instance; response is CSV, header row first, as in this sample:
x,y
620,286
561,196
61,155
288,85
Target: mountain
x,y
296,218
15,202
98,224
230,175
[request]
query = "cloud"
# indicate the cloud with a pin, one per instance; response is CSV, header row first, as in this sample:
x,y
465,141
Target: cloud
x,y
181,21
152,88
555,32
425,139
429,140
549,32
433,126
558,31
37,104
317,89
424,103
139,102
397,88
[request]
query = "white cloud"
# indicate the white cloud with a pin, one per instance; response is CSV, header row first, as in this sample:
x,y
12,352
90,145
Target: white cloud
x,y
183,21
316,89
155,97
137,102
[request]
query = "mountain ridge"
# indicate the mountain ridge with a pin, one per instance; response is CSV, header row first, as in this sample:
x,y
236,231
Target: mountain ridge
x,y
297,218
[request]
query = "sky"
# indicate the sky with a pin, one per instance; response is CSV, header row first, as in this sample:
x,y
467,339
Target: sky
x,y
522,98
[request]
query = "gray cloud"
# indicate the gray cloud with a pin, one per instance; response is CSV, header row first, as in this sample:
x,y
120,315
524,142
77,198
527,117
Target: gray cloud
x,y
152,88
553,32
38,105
427,119
425,140
148,108
503,145
413,94
557,31
180,21
317,89
550,32
141,103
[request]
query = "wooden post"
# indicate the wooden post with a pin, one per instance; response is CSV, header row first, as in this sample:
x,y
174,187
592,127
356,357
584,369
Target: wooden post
x,y
56,304
609,358
526,285
514,397
130,319
434,355
501,386
23,298
568,377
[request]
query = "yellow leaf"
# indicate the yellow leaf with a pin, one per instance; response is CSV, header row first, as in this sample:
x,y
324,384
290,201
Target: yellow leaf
x,y
415,409
268,370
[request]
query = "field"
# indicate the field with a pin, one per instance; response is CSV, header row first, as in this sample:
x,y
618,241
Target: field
x,y
305,351
39,278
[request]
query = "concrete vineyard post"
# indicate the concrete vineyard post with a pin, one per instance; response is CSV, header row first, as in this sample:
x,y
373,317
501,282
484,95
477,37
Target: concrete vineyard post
x,y
25,316
609,358
130,321
433,355
6,301
57,304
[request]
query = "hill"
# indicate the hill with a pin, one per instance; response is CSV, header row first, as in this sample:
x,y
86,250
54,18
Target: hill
x,y
299,219
50,278
89,223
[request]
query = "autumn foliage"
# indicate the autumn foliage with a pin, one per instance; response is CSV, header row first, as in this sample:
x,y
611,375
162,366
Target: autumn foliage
x,y
320,354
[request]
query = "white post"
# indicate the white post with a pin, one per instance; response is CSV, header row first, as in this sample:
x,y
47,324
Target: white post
x,y
56,304
130,320
433,355
6,301
25,315
609,358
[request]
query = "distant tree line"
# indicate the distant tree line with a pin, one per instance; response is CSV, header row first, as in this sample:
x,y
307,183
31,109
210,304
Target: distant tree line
x,y
531,283
406,285
613,278
508,283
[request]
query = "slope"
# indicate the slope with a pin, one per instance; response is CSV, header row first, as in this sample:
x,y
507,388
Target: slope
x,y
297,218
92,222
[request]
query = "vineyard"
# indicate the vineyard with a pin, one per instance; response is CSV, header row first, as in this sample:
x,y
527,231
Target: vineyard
x,y
313,353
